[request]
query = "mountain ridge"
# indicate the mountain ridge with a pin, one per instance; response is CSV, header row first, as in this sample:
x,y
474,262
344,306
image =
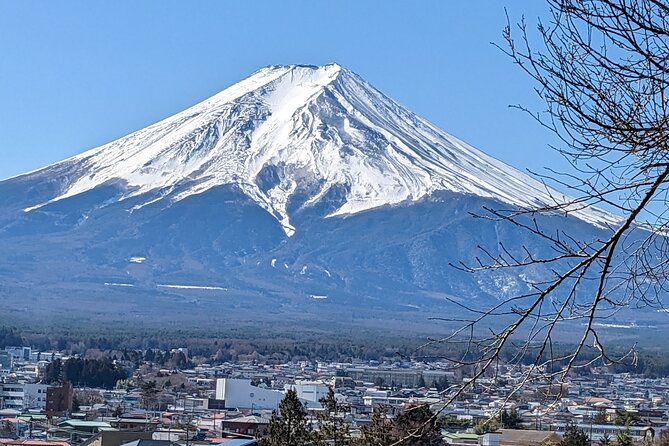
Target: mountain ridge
x,y
287,130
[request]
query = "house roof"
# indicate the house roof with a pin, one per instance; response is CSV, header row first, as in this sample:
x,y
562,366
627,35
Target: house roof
x,y
595,400
250,419
134,420
12,442
149,443
81,423
525,437
462,436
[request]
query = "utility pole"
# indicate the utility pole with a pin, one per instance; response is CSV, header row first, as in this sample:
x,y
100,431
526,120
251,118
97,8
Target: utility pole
x,y
188,421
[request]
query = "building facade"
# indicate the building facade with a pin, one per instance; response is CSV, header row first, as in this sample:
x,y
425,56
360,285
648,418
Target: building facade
x,y
23,396
240,394
59,400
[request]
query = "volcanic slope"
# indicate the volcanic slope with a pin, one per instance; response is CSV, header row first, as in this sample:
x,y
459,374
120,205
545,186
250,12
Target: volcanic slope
x,y
298,188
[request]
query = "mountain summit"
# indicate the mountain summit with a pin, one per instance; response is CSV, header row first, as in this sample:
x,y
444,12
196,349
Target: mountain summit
x,y
301,192
307,131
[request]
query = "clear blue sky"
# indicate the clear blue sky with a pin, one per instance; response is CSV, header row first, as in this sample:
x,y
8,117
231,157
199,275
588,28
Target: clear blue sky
x,y
77,74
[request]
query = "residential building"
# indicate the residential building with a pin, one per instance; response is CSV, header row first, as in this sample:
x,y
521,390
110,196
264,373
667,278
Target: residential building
x,y
59,400
19,353
251,425
239,393
23,396
5,362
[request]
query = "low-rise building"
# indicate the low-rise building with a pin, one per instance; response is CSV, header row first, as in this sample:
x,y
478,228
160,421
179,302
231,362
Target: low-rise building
x,y
251,425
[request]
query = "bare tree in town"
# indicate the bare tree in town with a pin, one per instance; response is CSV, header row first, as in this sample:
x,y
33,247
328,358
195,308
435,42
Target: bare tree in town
x,y
602,69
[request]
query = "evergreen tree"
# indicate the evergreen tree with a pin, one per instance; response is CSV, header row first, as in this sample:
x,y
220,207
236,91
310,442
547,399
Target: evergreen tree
x,y
486,425
150,355
624,438
53,372
605,440
573,436
509,419
149,395
601,417
289,427
6,429
332,427
442,384
421,382
625,418
379,431
417,426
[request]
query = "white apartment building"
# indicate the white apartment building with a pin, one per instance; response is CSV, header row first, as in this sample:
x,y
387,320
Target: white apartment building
x,y
22,396
19,353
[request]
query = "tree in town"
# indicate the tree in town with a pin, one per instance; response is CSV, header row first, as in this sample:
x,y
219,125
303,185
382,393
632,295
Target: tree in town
x,y
624,437
417,426
53,373
118,411
441,384
421,382
605,440
601,417
509,419
149,355
663,439
453,423
288,427
332,426
6,429
379,432
626,418
485,425
148,394
573,436
87,372
88,397
600,68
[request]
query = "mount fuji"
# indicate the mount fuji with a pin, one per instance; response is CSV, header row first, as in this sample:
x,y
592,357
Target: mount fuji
x,y
300,190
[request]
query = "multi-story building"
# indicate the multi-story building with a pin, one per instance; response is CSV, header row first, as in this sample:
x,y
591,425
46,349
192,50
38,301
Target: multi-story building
x,y
19,353
5,362
59,400
23,396
399,377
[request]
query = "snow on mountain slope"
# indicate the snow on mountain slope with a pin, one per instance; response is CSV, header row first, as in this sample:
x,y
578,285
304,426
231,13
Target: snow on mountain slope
x,y
290,129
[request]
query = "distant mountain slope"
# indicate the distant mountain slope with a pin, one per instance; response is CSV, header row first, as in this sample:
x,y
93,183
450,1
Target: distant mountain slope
x,y
298,187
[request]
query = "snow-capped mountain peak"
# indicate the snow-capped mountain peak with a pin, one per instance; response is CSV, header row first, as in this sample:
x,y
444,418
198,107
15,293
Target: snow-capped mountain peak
x,y
302,129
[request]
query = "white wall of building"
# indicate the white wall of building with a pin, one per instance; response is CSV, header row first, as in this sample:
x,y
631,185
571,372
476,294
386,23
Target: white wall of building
x,y
23,396
239,393
309,391
19,353
34,396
